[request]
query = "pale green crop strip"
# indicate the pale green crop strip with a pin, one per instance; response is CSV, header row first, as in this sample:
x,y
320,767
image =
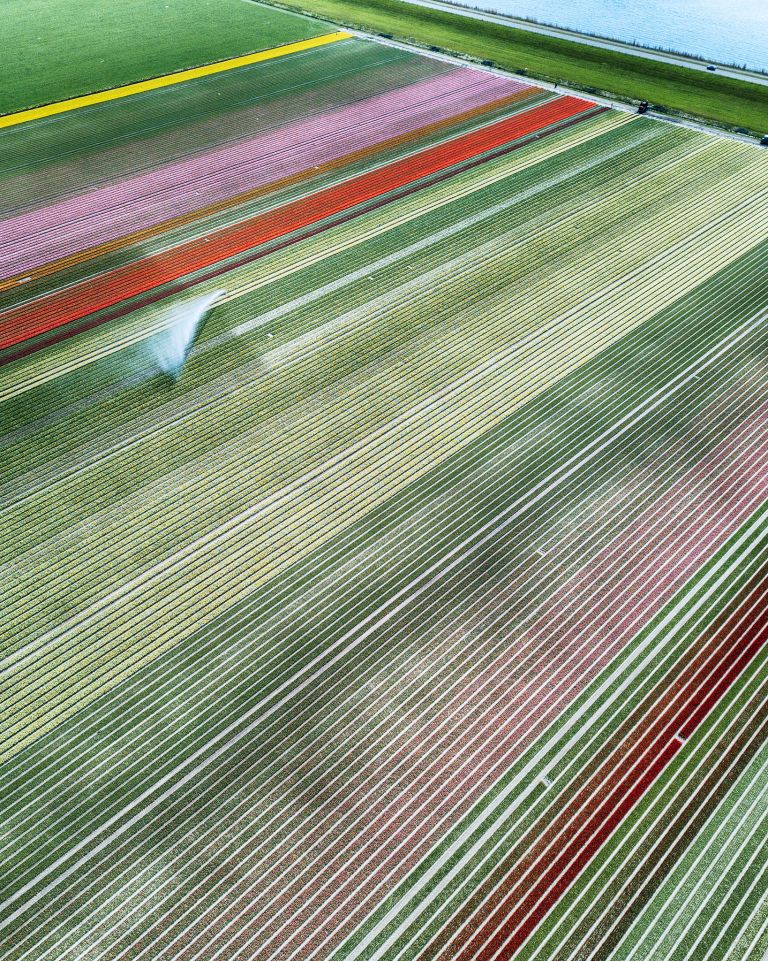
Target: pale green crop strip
x,y
287,532
752,942
280,455
691,887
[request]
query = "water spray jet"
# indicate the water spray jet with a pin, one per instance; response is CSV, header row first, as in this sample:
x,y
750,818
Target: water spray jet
x,y
171,348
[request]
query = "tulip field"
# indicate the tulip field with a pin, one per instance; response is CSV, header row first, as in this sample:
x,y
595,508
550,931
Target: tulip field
x,y
420,612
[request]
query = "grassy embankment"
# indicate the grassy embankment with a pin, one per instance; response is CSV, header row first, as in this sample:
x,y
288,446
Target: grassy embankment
x,y
52,54
721,100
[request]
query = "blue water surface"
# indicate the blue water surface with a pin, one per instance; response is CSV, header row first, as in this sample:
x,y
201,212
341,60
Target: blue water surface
x,y
728,31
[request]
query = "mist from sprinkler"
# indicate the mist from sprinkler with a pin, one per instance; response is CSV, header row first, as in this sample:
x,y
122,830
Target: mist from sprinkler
x,y
170,349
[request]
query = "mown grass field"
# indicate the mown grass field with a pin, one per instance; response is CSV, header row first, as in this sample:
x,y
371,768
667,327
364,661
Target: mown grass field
x,y
423,613
51,54
721,100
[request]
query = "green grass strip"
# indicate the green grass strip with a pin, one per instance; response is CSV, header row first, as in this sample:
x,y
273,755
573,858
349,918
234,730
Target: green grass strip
x,y
722,100
49,54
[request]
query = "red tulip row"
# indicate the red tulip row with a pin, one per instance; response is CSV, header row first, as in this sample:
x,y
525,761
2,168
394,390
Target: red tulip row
x,y
142,277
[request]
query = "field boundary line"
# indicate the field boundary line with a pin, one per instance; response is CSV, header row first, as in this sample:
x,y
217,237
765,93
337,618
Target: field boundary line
x,y
169,79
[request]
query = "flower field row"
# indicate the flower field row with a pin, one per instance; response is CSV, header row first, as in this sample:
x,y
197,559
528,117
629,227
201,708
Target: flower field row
x,y
423,615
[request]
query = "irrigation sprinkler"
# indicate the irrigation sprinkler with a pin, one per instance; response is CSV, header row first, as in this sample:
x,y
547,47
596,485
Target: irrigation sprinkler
x,y
172,347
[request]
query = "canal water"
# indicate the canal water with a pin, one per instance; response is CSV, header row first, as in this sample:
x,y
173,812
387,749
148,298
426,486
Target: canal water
x,y
728,31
